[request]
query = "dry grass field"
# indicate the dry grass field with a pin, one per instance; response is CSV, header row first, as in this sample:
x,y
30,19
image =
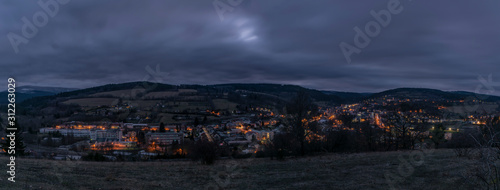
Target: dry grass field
x,y
179,106
92,102
188,90
142,103
440,169
224,104
163,94
130,93
166,94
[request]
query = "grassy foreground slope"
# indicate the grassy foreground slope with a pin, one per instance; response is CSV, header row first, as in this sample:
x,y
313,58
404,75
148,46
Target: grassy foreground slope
x,y
439,169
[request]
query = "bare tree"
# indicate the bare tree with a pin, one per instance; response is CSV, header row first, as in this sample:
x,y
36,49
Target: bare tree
x,y
206,151
400,130
437,135
301,110
486,171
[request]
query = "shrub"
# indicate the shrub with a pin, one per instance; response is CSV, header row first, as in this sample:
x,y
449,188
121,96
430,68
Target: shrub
x,y
205,151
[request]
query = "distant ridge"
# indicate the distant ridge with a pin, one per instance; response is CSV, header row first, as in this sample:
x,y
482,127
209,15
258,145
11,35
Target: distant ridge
x,y
278,91
419,93
27,92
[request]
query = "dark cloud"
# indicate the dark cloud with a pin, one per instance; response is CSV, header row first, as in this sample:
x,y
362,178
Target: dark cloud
x,y
444,45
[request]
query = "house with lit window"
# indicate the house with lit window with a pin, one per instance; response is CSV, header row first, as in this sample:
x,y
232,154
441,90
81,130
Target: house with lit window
x,y
164,138
259,135
106,135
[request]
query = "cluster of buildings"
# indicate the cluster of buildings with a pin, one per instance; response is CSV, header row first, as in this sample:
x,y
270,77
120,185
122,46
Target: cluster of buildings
x,y
117,136
109,136
247,131
241,132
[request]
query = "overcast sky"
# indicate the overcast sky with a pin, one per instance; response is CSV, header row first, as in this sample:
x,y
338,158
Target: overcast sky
x,y
445,45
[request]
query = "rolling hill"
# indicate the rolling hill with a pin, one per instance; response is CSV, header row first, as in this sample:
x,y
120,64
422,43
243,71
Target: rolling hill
x,y
267,93
425,93
27,92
